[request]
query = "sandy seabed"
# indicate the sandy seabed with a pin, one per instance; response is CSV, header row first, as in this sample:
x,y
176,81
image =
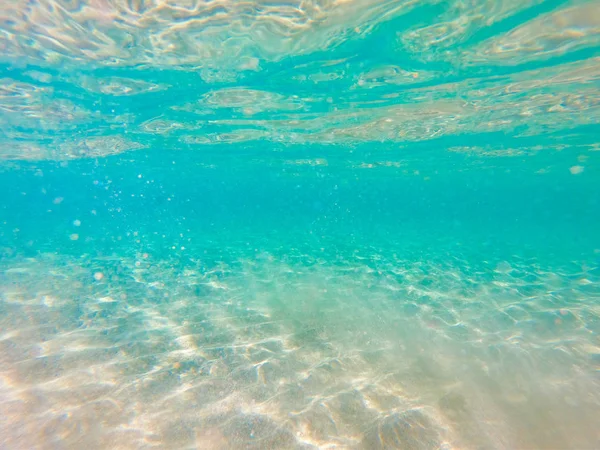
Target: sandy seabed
x,y
269,353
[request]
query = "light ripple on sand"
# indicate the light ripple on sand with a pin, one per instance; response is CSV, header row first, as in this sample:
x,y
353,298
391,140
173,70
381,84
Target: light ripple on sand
x,y
400,364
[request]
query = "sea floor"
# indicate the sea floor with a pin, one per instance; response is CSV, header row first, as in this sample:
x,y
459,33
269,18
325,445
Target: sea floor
x,y
297,351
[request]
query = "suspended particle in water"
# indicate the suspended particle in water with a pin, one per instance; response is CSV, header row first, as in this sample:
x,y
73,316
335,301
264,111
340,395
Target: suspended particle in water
x,y
77,222
74,237
98,276
58,200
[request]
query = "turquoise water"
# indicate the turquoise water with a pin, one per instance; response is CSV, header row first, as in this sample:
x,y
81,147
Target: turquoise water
x,y
300,224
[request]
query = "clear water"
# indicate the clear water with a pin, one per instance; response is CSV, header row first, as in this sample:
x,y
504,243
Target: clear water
x,y
300,224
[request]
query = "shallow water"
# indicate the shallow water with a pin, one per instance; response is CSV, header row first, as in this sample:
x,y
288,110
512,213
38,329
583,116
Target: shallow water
x,y
281,225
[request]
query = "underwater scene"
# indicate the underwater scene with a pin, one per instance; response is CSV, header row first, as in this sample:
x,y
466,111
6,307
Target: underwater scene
x,y
300,224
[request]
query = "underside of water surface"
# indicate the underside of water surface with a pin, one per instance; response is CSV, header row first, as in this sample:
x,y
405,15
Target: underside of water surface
x,y
326,224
